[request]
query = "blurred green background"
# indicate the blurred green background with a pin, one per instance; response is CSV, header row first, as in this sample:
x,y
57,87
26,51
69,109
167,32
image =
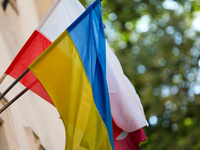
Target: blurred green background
x,y
158,45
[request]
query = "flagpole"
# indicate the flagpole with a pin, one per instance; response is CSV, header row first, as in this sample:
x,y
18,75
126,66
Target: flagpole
x,y
47,15
13,84
13,100
3,77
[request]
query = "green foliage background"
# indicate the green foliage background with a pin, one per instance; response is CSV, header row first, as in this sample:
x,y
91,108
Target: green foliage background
x,y
158,45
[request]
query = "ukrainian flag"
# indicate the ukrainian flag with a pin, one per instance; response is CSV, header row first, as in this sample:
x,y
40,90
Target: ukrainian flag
x,y
73,72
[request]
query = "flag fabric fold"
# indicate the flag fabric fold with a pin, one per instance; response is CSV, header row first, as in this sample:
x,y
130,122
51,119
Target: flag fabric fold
x,y
127,111
127,140
87,33
78,89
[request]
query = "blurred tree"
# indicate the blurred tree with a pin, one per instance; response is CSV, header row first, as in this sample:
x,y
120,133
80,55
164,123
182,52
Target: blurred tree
x,y
158,45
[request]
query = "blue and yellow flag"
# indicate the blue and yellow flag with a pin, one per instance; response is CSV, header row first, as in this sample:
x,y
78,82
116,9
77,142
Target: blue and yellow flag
x,y
73,72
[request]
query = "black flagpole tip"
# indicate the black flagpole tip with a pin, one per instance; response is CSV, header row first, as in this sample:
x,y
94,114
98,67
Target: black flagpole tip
x,y
4,4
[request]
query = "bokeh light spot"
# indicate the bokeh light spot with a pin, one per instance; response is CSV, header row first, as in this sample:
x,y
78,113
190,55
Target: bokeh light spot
x,y
153,120
174,127
141,69
112,16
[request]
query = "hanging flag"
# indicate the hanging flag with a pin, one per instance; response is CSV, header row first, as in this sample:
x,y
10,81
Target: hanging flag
x,y
127,110
60,16
126,107
73,71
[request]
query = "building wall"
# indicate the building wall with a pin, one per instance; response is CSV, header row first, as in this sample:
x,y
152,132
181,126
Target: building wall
x,y
30,122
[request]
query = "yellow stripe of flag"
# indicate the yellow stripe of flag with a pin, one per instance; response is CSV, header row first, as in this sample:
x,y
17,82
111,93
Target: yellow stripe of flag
x,y
61,72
